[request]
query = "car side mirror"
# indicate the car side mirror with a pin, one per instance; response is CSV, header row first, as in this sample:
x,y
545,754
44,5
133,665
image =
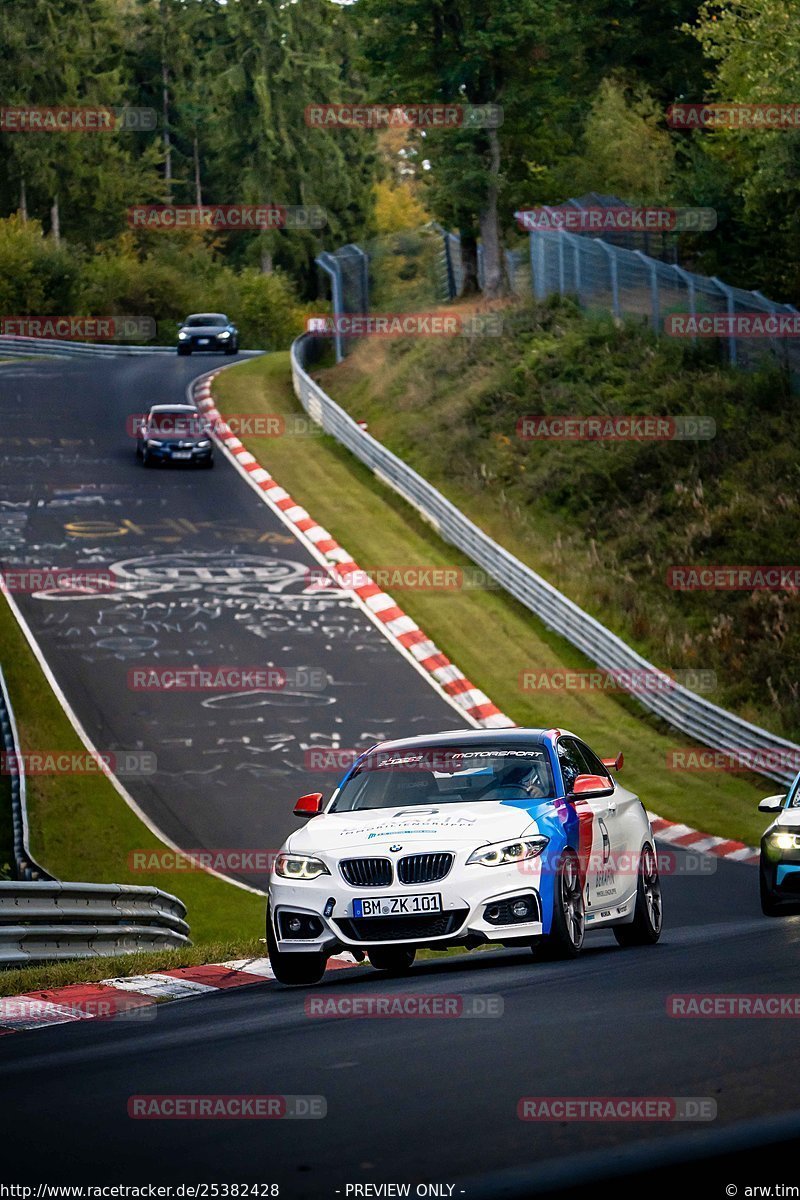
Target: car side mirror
x,y
309,806
592,785
771,804
613,764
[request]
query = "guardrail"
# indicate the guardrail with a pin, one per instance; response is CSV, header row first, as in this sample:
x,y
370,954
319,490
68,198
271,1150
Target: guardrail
x,y
693,715
49,922
26,865
30,347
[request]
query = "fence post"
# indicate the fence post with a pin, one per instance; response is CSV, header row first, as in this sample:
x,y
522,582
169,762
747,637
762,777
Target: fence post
x,y
537,264
448,264
689,281
612,265
728,294
511,270
363,258
561,281
654,304
789,344
333,269
577,250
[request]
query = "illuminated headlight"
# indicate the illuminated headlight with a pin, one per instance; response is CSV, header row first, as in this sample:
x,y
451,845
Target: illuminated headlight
x,y
500,854
203,444
299,866
226,334
783,840
182,335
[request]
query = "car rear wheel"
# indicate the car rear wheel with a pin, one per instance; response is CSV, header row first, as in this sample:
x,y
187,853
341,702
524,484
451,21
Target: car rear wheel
x,y
569,915
395,960
301,969
648,915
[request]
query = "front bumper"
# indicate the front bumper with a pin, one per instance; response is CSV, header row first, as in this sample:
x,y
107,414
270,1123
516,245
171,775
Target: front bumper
x,y
168,452
204,343
781,870
474,910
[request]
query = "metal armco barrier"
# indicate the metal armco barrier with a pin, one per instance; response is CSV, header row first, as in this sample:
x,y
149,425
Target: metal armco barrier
x,y
26,866
28,347
702,721
48,922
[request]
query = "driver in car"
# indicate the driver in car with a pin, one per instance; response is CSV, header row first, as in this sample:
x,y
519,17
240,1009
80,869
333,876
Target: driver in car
x,y
519,777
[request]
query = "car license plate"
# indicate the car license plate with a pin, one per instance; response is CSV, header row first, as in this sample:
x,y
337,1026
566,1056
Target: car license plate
x,y
181,454
202,341
397,906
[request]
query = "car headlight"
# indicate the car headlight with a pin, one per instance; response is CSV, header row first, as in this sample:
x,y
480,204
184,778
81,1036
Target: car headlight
x,y
226,334
299,866
153,442
783,840
500,854
203,444
182,335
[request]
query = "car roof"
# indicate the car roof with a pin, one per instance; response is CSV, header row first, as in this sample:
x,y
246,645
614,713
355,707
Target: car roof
x,y
477,737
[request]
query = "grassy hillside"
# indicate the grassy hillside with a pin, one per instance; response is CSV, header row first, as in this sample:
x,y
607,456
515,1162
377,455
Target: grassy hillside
x,y
605,521
490,636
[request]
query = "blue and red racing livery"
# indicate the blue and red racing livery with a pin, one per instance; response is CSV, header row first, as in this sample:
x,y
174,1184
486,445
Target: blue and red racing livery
x,y
515,837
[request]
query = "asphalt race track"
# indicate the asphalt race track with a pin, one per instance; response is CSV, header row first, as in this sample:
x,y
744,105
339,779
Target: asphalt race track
x,y
211,577
409,1100
440,1094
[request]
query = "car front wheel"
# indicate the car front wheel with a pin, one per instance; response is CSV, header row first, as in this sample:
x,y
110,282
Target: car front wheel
x,y
301,969
648,915
569,914
183,351
395,960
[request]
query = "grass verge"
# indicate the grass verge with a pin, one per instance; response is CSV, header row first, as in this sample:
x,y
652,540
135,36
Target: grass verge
x,y
489,635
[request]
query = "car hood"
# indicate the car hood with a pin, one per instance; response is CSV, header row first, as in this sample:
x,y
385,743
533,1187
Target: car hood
x,y
447,827
787,817
186,439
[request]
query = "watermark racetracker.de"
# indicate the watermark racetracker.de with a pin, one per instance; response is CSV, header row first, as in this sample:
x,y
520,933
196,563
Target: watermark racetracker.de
x,y
237,218
80,328
29,118
637,427
397,324
226,1107
404,116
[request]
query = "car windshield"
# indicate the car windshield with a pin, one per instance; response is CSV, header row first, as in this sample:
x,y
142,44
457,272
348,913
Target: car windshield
x,y
793,798
205,319
178,424
447,775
